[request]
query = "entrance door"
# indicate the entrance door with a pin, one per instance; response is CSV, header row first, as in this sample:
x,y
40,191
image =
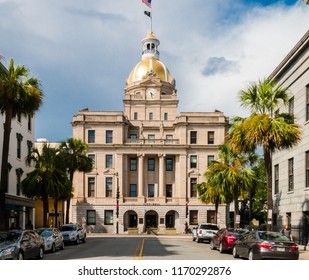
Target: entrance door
x,y
133,221
151,221
170,221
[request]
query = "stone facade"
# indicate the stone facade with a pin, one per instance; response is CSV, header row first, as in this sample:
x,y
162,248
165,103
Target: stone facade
x,y
291,167
147,159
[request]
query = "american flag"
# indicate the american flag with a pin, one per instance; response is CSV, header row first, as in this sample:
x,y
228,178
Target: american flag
x,y
147,3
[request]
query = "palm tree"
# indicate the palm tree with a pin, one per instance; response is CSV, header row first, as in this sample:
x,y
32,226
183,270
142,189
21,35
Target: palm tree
x,y
46,180
264,128
19,95
75,159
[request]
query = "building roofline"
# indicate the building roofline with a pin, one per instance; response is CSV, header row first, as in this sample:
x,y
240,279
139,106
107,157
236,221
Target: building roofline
x,y
302,44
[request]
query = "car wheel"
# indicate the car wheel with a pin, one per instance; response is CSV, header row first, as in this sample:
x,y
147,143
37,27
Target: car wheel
x,y
235,255
20,255
212,245
41,253
221,250
84,239
62,246
251,255
53,248
76,241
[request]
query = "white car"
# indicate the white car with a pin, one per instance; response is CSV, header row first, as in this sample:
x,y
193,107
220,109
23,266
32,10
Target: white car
x,y
206,231
73,233
53,239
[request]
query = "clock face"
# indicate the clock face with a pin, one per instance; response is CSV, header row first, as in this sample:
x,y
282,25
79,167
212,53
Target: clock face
x,y
151,93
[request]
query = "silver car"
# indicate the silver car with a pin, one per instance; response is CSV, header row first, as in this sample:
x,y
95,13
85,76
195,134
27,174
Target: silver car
x,y
53,239
21,244
73,233
206,231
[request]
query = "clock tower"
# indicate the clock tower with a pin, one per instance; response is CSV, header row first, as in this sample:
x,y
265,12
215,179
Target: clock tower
x,y
150,93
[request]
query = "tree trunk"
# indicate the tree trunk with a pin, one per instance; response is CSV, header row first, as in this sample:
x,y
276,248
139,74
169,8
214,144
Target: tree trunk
x,y
236,208
45,211
268,166
216,210
4,223
67,215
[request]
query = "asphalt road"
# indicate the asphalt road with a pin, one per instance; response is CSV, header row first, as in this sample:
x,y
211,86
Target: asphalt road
x,y
138,248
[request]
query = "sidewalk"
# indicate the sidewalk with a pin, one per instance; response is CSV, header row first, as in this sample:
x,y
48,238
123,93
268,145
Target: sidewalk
x,y
303,254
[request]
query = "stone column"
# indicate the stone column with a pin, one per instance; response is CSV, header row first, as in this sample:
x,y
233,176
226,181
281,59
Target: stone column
x,y
141,175
161,175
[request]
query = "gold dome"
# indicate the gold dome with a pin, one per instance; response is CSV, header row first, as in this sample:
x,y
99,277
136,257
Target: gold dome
x,y
147,65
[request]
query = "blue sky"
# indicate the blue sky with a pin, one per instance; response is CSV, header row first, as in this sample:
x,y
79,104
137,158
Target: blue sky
x,y
83,53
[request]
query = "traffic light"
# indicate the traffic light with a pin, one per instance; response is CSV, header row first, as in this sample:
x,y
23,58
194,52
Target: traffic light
x,y
187,210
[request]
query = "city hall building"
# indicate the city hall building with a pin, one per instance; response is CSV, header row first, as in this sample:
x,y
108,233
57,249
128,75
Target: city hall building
x,y
146,159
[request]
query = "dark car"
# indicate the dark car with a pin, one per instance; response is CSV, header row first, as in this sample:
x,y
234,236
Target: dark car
x,y
21,244
225,238
257,245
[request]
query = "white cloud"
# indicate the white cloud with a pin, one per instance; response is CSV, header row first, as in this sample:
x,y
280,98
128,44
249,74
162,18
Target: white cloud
x,y
83,53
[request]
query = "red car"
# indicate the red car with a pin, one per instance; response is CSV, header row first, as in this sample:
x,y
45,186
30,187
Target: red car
x,y
225,238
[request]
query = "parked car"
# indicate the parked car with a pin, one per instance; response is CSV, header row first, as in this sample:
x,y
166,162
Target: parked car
x,y
206,231
256,245
194,233
73,233
21,244
53,238
225,238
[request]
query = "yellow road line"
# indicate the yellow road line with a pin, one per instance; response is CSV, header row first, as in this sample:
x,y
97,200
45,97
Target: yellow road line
x,y
139,250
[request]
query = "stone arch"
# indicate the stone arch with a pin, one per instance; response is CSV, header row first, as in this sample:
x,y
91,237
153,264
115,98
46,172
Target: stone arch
x,y
130,219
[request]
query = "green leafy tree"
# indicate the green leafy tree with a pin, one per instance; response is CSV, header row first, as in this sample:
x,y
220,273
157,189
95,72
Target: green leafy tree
x,y
75,159
47,180
19,95
263,128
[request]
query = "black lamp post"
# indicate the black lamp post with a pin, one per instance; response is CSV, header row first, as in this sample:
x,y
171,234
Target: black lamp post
x,y
117,205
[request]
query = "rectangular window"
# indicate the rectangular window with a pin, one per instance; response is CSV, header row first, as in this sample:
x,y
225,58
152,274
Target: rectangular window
x,y
133,190
193,137
276,178
151,138
19,139
307,169
210,159
91,217
91,186
169,190
193,182
150,116
132,136
151,164
169,164
109,161
193,161
109,136
291,174
211,137
150,190
18,181
92,158
133,164
135,116
29,123
91,136
109,186
108,217
165,116
169,137
193,217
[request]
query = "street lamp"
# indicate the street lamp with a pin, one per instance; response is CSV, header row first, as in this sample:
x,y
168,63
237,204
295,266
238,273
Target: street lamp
x,y
117,204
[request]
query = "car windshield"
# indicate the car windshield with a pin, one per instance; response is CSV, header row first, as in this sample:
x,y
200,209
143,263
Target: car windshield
x,y
12,235
46,233
272,236
211,227
236,231
68,228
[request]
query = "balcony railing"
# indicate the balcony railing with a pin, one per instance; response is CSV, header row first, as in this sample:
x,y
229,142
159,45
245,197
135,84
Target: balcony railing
x,y
152,142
